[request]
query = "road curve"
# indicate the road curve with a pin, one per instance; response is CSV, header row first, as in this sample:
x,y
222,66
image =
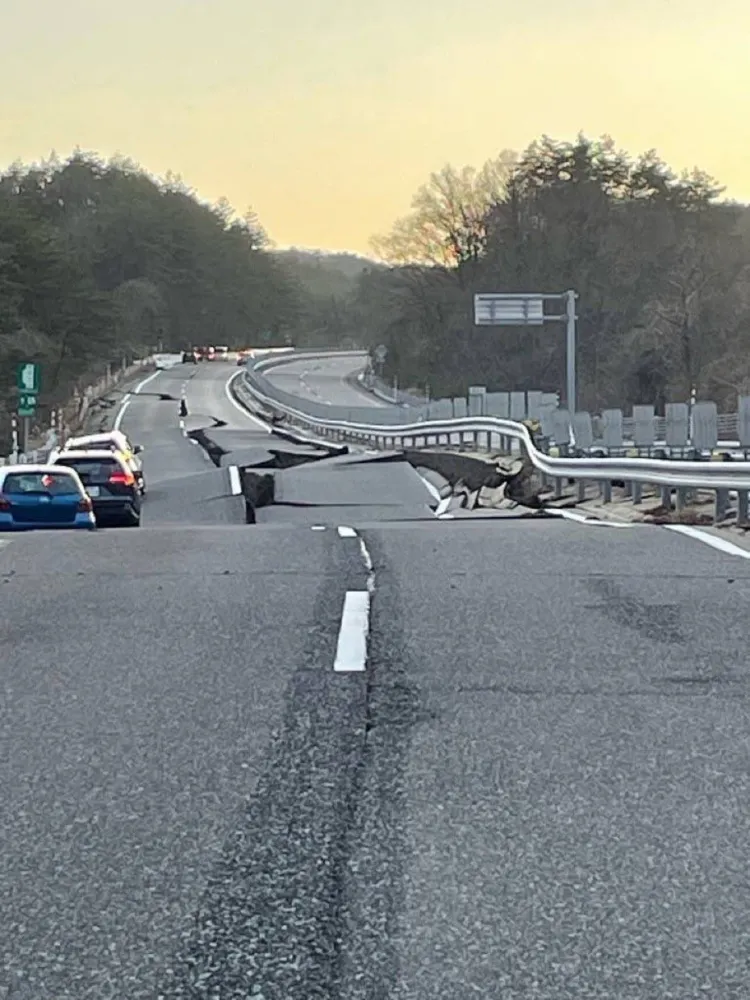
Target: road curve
x,y
324,380
535,785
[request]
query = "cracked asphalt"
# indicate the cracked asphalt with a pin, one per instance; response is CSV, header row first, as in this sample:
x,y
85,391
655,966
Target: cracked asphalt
x,y
537,788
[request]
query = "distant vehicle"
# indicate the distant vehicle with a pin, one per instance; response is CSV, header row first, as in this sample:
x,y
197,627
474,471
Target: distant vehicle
x,y
109,481
43,496
242,357
190,357
163,362
112,441
222,353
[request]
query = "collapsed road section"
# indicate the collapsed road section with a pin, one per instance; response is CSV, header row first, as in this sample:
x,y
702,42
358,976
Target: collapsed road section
x,y
308,479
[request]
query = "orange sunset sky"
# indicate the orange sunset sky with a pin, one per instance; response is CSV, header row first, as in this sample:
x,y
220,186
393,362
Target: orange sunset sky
x,y
326,115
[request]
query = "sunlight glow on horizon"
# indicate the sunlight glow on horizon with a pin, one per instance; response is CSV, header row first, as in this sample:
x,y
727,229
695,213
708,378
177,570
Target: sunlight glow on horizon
x,y
325,118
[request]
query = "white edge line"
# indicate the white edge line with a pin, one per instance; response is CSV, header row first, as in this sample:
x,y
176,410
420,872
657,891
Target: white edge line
x,y
234,480
129,396
572,515
121,412
431,487
443,506
729,548
351,647
246,413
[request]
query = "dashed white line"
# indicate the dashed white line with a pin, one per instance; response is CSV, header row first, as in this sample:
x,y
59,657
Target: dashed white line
x,y
317,527
351,647
235,484
246,413
729,548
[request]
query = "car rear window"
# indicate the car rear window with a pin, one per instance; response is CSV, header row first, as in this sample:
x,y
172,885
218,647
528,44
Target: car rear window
x,y
91,470
40,482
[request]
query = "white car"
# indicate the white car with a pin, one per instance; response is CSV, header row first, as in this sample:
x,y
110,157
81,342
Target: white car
x,y
111,441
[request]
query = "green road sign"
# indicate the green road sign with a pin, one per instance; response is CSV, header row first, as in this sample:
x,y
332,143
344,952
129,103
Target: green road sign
x,y
27,401
28,377
26,411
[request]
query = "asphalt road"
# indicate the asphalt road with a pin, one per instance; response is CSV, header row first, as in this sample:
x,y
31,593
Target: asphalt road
x,y
324,380
536,787
184,486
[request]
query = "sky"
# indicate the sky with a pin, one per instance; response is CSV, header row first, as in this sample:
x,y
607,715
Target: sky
x,y
325,116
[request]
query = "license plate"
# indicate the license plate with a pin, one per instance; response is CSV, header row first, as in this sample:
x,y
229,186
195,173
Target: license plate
x,y
93,491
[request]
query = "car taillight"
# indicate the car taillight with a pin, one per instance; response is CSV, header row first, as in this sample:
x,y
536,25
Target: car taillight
x,y
85,506
4,503
121,478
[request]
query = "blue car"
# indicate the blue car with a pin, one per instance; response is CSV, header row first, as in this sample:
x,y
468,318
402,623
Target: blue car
x,y
43,496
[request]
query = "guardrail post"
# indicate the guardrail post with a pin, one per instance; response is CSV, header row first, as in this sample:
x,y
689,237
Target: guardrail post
x,y
721,505
606,491
681,498
742,505
636,492
666,497
581,484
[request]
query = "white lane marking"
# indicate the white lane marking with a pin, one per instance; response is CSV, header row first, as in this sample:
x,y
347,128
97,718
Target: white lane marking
x,y
729,548
4,542
246,413
431,487
572,515
351,647
121,412
128,398
443,506
317,527
367,559
346,532
234,480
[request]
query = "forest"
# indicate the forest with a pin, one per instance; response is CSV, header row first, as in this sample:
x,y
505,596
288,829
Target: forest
x,y
661,264
101,263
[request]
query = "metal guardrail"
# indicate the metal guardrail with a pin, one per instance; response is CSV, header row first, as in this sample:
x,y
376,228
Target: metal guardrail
x,y
682,432
384,427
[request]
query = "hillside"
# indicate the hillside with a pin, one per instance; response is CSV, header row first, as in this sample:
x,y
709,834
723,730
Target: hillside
x,y
328,284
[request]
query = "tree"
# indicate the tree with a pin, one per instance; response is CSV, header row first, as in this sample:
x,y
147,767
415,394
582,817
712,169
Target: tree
x,y
99,261
446,225
660,264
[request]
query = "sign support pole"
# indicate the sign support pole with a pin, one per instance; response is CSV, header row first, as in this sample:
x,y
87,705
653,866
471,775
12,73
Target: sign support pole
x,y
527,309
570,360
